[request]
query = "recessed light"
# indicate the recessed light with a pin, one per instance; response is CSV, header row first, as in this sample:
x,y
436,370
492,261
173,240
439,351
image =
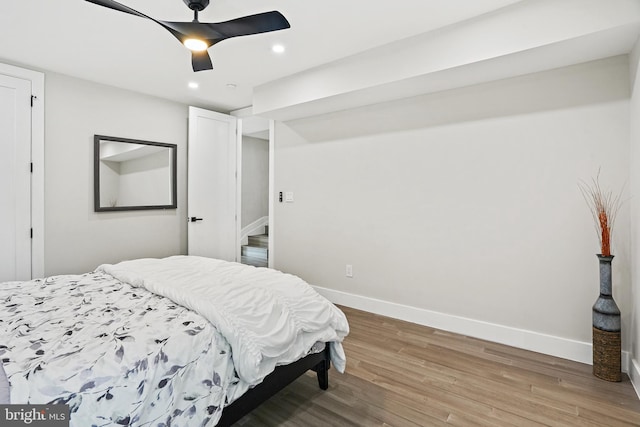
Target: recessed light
x,y
277,48
193,85
231,86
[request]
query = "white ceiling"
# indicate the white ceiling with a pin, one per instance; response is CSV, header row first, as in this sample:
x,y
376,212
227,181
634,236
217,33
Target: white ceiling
x,y
84,40
526,37
339,54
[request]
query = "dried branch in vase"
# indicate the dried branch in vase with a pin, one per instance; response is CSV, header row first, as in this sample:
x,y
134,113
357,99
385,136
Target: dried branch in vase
x,y
604,206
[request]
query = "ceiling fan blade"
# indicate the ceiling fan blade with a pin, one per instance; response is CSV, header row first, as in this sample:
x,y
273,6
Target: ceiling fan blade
x,y
217,31
111,4
120,7
252,24
201,61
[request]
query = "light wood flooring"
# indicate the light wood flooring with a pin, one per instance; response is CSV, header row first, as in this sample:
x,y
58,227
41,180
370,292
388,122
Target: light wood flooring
x,y
402,374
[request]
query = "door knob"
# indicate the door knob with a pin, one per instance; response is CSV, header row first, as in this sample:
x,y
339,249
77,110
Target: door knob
x,y
194,219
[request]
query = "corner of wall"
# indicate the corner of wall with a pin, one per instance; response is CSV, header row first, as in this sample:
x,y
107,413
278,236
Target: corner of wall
x,y
634,178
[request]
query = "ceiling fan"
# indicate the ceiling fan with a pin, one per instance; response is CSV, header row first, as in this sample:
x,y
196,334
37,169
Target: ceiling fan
x,y
199,36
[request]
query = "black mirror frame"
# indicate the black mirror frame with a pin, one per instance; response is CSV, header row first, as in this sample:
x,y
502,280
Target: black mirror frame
x,y
96,174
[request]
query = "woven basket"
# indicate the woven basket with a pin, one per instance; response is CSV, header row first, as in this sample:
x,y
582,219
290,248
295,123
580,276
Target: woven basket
x,y
607,355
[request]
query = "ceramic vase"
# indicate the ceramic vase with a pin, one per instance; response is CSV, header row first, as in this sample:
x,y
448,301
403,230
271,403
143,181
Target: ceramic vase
x,y
606,327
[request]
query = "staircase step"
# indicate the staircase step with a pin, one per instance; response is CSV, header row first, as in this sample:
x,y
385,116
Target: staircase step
x,y
259,240
254,261
255,252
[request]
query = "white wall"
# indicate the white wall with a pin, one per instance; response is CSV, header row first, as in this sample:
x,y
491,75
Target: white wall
x,y
634,201
77,239
255,179
109,183
146,180
464,203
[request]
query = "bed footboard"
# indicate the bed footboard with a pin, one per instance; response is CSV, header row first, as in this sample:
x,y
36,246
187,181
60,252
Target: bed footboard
x,y
276,381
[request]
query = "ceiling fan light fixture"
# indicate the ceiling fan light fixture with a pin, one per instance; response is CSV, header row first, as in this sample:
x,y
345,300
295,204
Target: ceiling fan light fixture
x,y
200,36
196,45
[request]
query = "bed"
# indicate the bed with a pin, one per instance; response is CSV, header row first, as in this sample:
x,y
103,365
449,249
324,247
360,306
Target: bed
x,y
180,341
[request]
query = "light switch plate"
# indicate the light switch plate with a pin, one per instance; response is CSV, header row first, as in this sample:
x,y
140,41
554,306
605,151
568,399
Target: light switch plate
x,y
349,270
288,197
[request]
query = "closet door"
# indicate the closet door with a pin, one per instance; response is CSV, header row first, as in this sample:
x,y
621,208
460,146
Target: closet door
x,y
212,185
15,178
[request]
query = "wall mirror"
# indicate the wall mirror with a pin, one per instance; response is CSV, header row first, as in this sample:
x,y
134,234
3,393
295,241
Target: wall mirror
x,y
129,174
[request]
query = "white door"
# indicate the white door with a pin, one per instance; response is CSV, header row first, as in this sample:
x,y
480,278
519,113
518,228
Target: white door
x,y
212,184
15,178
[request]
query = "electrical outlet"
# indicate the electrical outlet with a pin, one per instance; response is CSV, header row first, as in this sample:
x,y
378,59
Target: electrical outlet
x,y
349,270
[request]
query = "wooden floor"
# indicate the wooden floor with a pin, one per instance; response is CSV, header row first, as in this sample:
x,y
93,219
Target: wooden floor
x,y
402,374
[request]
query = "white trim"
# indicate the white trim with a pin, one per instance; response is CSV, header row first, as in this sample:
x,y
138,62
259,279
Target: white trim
x,y
634,375
238,179
37,157
272,192
626,361
521,338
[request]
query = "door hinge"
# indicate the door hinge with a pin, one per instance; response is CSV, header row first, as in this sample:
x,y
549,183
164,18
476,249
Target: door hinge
x,y
31,233
32,98
31,167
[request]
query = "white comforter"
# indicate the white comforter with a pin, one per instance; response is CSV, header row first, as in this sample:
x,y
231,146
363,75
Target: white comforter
x,y
268,317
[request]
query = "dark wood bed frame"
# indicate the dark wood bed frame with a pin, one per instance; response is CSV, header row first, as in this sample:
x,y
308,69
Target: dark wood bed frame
x,y
274,382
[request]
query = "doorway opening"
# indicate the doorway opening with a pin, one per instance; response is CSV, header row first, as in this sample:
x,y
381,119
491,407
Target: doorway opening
x,y
254,188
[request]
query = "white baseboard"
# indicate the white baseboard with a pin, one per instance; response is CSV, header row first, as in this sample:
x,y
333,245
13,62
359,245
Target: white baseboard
x,y
521,338
634,375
